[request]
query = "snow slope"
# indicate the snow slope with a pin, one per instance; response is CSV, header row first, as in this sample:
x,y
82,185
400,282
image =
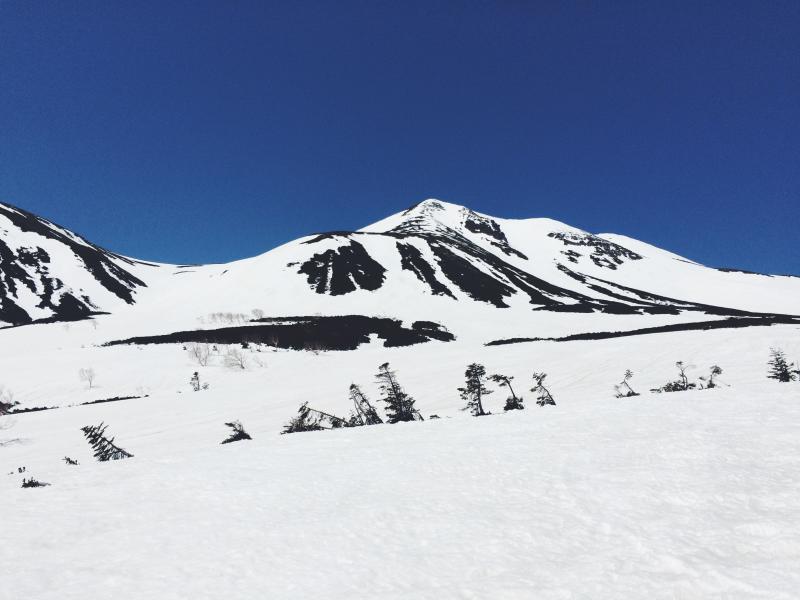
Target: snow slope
x,y
693,502
690,494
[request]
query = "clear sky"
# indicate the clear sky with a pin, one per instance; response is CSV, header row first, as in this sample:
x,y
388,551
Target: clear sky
x,y
207,131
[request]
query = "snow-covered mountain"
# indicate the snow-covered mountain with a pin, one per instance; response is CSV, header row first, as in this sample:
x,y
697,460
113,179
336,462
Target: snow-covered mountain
x,y
439,263
541,264
47,272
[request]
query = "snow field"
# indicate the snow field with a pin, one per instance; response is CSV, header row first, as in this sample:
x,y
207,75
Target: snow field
x,y
684,495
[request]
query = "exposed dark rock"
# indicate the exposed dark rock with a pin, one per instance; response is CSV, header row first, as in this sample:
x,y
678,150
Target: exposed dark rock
x,y
727,270
22,411
729,323
604,253
55,319
329,235
343,270
433,205
470,279
412,260
114,399
493,288
346,332
486,226
490,228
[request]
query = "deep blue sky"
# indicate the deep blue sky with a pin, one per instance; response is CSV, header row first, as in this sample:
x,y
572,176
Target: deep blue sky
x,y
207,131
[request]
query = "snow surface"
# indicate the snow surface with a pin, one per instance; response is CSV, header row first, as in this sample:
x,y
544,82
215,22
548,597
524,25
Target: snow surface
x,y
653,498
685,495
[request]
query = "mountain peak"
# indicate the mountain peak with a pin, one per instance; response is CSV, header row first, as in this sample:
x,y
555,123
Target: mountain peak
x,y
434,205
429,216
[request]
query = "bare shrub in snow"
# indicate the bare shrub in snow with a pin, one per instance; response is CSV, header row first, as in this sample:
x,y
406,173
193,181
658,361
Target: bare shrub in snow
x,y
235,358
314,347
258,314
237,433
33,483
681,384
513,402
199,352
6,400
70,461
230,318
709,381
623,389
543,397
474,389
87,375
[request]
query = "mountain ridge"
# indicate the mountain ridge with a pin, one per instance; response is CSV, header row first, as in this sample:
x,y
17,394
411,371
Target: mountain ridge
x,y
417,262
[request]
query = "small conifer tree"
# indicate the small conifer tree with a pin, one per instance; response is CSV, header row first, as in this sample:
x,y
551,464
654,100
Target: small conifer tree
x,y
365,413
399,405
543,395
780,368
104,448
513,402
474,389
623,389
311,419
237,433
304,421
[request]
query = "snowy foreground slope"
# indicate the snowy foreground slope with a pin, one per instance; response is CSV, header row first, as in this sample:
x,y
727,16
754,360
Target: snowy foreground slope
x,y
696,497
682,495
